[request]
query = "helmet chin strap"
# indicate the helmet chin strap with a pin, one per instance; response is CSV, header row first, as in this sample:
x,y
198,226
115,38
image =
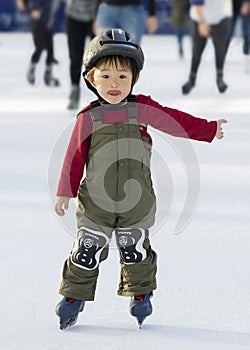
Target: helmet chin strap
x,y
93,89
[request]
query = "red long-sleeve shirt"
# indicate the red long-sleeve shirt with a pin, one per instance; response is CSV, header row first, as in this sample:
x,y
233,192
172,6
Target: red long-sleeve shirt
x,y
150,112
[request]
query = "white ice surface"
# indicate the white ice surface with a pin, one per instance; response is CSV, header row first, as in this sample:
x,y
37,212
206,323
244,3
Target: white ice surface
x,y
203,296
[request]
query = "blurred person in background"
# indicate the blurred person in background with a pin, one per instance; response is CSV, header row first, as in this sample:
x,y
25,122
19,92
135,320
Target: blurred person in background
x,y
209,18
241,10
179,19
42,17
80,16
128,15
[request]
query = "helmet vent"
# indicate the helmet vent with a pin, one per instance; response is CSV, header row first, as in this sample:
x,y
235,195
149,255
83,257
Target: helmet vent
x,y
128,36
109,34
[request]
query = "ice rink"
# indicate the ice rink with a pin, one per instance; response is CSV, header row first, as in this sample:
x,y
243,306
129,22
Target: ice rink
x,y
203,296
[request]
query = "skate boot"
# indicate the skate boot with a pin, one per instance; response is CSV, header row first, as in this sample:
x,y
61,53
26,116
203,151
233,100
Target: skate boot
x,y
31,73
67,310
141,307
222,86
49,80
74,97
181,51
188,86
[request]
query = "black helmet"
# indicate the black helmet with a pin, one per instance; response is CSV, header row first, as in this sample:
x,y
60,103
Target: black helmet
x,y
113,42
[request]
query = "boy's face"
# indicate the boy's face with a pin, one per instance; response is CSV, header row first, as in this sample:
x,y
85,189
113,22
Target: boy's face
x,y
113,83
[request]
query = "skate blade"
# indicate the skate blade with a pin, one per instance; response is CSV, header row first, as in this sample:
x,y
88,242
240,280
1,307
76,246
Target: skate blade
x,y
140,321
68,324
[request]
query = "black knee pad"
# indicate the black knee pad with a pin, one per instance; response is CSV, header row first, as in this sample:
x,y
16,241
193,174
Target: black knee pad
x,y
87,248
130,243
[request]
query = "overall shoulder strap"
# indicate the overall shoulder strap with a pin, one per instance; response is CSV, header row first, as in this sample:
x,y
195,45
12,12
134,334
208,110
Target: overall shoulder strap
x,y
132,109
94,111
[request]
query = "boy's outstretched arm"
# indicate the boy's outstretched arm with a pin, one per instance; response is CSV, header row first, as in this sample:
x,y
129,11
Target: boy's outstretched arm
x,y
62,204
219,133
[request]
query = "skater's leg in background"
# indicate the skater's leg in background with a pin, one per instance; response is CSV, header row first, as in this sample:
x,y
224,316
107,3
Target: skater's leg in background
x,y
37,36
232,29
179,36
76,41
77,32
39,42
246,34
219,34
49,79
198,46
49,44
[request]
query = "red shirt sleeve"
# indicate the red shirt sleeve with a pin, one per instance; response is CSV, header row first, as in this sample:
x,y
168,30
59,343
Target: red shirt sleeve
x,y
75,158
174,122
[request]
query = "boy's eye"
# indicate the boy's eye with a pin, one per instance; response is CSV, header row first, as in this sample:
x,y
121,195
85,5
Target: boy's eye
x,y
123,76
105,76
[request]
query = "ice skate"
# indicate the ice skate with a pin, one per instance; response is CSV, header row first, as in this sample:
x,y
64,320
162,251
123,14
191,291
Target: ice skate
x,y
222,86
67,310
188,86
74,97
141,307
49,80
31,73
181,51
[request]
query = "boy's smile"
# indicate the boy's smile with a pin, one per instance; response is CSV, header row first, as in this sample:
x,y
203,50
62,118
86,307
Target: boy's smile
x,y
113,83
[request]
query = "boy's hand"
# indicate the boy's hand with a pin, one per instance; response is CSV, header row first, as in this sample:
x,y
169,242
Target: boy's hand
x,y
62,204
219,133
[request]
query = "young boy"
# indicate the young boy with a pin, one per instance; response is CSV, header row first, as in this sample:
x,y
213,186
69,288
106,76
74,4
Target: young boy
x,y
110,137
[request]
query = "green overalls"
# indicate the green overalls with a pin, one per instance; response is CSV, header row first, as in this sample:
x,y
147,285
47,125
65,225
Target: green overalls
x,y
115,196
